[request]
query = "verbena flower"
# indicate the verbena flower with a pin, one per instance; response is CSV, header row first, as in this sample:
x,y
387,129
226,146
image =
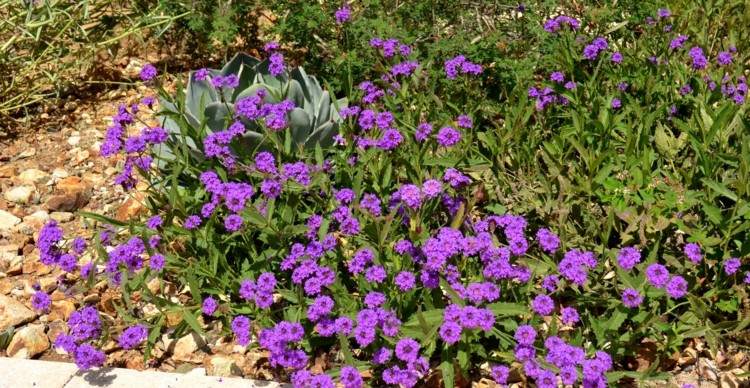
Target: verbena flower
x,y
133,336
343,14
148,72
209,306
731,265
631,298
628,257
693,252
676,287
40,301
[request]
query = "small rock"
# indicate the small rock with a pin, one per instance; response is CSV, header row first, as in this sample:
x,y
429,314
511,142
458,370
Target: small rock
x,y
33,176
130,209
59,173
55,328
33,265
72,195
37,219
5,286
186,347
27,153
20,194
221,366
48,284
8,220
7,171
28,342
62,216
13,313
74,140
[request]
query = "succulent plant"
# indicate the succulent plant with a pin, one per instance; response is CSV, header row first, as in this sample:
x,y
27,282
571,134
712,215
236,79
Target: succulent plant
x,y
314,120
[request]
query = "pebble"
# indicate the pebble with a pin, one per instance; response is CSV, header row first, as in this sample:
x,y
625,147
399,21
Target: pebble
x,y
62,216
20,194
13,313
8,220
33,176
28,342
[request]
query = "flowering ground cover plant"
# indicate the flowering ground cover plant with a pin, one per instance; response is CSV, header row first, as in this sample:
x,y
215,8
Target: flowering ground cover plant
x,y
394,253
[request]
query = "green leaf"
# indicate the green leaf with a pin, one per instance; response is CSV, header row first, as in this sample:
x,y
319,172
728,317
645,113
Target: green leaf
x,y
449,374
192,321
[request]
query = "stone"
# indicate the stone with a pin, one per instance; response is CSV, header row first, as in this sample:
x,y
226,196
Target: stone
x,y
33,265
222,366
7,171
6,284
35,373
62,216
27,153
185,348
33,176
20,194
74,140
72,194
130,209
55,328
13,313
60,173
8,220
48,284
37,219
28,342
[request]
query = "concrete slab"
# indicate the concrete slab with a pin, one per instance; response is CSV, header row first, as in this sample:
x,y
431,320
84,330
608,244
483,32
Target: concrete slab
x,y
18,373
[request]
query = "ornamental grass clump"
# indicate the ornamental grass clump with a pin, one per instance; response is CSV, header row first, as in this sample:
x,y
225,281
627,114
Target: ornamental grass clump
x,y
387,252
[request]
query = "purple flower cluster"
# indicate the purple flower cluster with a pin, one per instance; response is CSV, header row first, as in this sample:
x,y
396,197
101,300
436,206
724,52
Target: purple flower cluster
x,y
261,291
133,336
390,47
280,341
457,318
592,51
460,65
575,266
85,325
557,23
628,257
343,14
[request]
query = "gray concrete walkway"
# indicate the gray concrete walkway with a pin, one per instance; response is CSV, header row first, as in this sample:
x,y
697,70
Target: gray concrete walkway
x,y
20,373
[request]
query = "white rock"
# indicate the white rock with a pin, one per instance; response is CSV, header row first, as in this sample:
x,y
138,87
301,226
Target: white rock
x,y
74,140
60,173
33,176
62,216
20,194
8,220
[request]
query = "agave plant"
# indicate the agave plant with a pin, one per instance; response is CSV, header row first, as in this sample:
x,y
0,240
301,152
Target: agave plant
x,y
314,120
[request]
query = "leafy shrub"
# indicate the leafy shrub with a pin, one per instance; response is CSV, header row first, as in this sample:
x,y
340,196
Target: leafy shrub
x,y
552,235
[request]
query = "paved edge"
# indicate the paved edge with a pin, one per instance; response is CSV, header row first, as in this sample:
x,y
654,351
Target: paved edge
x,y
21,373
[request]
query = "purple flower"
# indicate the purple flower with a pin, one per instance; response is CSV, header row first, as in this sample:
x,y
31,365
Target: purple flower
x,y
87,357
154,222
40,301
693,252
557,76
569,316
628,257
525,335
405,281
731,265
448,136
699,59
678,42
407,350
233,223
677,287
663,13
410,195
617,57
241,329
192,222
548,241
464,121
209,306
500,374
276,64
148,72
156,262
450,332
133,336
724,58
657,275
350,377
343,14
543,305
616,103
423,131
631,298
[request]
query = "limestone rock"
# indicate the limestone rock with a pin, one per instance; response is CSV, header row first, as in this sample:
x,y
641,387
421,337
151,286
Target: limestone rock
x,y
8,220
28,342
13,313
186,347
20,194
33,176
222,366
